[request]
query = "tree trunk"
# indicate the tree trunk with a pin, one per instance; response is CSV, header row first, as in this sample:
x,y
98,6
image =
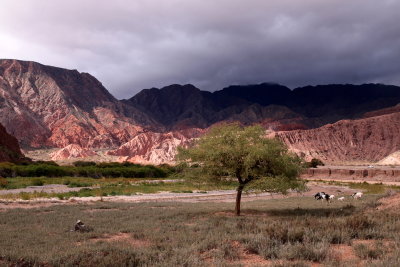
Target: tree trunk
x,y
238,198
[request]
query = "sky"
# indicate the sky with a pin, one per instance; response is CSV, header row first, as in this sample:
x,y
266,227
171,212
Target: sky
x,y
130,45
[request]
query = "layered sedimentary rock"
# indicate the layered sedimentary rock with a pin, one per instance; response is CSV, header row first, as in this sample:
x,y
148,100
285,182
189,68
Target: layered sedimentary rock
x,y
44,106
72,151
369,139
9,147
155,148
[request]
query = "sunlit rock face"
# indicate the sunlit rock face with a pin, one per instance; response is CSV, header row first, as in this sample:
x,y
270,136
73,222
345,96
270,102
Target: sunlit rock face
x,y
366,140
72,151
44,106
156,148
9,147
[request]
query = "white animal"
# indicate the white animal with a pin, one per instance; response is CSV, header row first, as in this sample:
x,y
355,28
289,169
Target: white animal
x,y
357,195
340,198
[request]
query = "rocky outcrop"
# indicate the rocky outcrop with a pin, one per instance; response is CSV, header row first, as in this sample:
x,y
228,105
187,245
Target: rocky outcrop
x,y
392,159
45,106
9,147
72,151
367,140
155,148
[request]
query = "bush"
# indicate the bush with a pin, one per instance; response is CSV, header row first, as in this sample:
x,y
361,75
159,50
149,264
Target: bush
x,y
85,169
314,163
84,163
37,182
3,182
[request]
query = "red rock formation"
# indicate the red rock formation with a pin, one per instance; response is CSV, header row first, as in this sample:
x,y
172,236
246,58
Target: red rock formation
x,y
383,111
369,139
71,152
155,148
54,107
9,147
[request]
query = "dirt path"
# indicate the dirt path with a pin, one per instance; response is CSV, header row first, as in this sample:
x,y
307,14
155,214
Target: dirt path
x,y
210,196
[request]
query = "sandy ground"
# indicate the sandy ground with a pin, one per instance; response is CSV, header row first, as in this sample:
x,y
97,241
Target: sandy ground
x,y
50,188
210,196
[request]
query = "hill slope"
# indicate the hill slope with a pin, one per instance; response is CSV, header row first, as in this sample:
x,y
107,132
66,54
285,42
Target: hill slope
x,y
370,139
54,107
9,147
178,106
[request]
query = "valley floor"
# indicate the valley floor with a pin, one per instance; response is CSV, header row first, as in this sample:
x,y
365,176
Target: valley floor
x,y
292,231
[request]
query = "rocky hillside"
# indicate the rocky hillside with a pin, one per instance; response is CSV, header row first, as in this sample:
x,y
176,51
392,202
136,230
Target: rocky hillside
x,y
185,106
156,148
370,139
9,147
44,106
47,107
178,106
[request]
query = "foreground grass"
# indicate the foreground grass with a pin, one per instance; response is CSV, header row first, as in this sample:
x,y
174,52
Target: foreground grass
x,y
296,230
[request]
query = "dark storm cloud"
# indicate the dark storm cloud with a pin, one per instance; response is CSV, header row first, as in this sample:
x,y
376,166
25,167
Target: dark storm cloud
x,y
130,45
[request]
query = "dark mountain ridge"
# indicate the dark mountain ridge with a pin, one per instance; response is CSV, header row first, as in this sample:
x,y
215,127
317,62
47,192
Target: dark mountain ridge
x,y
312,106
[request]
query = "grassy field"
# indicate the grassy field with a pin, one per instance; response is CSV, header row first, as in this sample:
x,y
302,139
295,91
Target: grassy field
x,y
280,232
107,187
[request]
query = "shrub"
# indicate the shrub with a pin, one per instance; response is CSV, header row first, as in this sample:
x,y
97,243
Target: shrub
x,y
86,169
314,163
37,182
369,252
3,182
84,163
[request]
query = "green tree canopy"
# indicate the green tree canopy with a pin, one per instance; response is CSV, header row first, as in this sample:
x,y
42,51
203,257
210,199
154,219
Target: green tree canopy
x,y
243,153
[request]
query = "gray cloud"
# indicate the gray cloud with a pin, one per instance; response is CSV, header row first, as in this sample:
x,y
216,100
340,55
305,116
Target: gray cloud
x,y
130,45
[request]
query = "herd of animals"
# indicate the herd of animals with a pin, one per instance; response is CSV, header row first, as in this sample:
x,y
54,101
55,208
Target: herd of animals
x,y
329,198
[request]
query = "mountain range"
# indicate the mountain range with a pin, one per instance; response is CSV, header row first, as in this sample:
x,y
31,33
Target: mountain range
x,y
50,107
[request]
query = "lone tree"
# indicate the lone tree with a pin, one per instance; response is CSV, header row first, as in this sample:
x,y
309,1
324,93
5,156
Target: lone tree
x,y
232,151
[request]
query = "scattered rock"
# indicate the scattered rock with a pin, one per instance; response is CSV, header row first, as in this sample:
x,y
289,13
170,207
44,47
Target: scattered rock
x,y
81,227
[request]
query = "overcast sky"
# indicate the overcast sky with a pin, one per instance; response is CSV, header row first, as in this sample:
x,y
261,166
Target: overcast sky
x,y
136,44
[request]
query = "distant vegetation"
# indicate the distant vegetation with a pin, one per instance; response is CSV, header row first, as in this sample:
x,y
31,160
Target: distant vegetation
x,y
314,163
84,169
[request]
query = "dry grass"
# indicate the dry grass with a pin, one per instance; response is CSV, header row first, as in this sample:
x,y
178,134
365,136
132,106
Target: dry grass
x,y
294,231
